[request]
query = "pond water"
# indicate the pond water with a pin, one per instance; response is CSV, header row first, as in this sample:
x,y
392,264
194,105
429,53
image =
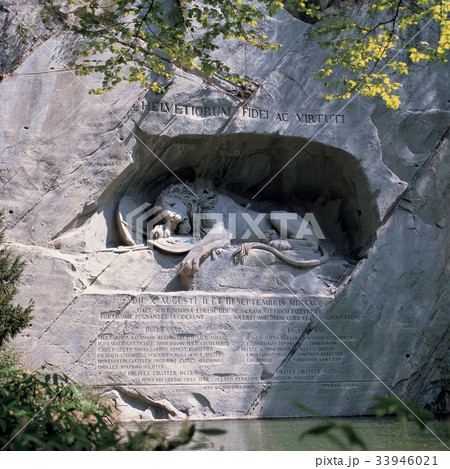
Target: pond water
x,y
379,434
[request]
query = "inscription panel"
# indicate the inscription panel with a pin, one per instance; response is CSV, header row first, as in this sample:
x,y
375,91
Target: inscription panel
x,y
224,340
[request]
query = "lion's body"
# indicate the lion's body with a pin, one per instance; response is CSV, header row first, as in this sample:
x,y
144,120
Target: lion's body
x,y
187,206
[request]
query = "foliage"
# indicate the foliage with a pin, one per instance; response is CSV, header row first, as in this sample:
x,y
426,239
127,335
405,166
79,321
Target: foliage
x,y
362,51
50,412
204,442
129,38
124,39
404,410
343,435
13,318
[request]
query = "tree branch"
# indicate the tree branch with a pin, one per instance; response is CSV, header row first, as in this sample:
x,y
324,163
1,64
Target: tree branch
x,y
394,21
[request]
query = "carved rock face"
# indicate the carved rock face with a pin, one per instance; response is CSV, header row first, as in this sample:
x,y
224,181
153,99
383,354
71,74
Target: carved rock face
x,y
66,161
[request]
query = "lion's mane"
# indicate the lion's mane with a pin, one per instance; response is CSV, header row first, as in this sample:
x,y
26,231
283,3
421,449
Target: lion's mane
x,y
197,198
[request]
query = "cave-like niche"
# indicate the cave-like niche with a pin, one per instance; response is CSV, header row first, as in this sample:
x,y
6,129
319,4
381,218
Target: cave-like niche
x,y
322,180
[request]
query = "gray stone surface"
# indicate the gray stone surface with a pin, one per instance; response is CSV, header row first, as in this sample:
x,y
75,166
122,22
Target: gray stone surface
x,y
375,179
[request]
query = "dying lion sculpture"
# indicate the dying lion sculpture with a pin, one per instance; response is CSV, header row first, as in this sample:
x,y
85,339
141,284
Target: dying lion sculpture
x,y
223,223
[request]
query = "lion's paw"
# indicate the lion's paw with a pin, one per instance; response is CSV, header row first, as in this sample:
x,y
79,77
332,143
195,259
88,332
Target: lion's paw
x,y
189,267
160,231
270,235
280,244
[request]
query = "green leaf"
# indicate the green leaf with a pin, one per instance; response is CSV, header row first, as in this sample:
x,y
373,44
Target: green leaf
x,y
353,437
308,410
212,431
318,429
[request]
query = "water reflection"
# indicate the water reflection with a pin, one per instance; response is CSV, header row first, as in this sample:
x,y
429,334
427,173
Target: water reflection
x,y
282,435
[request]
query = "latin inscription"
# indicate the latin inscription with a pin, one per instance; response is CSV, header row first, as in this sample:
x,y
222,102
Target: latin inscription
x,y
221,340
316,349
304,117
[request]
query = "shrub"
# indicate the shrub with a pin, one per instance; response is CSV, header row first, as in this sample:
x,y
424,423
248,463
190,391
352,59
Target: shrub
x,y
13,318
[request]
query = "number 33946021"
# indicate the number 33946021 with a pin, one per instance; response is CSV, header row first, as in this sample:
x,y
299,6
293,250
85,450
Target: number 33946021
x,y
406,460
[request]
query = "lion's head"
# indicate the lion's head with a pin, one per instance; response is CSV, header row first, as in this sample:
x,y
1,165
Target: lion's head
x,y
180,201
